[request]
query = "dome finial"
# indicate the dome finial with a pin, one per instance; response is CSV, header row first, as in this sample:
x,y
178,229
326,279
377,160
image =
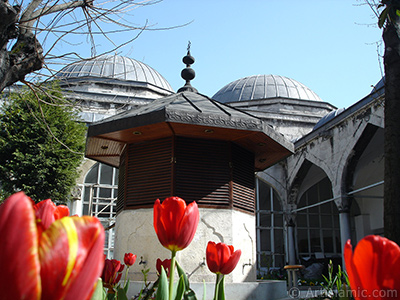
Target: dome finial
x,y
188,73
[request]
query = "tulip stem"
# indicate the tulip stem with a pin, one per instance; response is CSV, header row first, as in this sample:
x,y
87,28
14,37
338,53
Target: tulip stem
x,y
126,275
171,275
217,281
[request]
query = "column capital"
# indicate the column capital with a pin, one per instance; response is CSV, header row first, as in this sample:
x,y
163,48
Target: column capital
x,y
290,218
343,204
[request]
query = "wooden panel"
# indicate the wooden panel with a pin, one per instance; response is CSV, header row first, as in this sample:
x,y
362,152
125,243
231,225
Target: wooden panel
x,y
149,173
243,179
202,171
121,183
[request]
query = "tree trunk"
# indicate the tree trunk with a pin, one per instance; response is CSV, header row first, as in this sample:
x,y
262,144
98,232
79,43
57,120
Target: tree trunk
x,y
26,55
391,37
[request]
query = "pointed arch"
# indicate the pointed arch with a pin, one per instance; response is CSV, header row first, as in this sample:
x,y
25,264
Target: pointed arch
x,y
362,181
269,228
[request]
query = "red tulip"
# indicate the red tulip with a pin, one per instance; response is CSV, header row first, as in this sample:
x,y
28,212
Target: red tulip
x,y
373,268
112,273
166,263
64,262
175,223
221,258
129,259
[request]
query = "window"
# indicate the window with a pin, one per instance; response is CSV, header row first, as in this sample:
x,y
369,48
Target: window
x,y
270,228
318,230
99,199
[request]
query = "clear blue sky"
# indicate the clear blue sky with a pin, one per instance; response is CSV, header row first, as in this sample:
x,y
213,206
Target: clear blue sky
x,y
331,46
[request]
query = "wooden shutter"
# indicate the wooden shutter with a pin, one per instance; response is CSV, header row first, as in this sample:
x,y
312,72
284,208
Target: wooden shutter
x,y
121,182
243,179
202,171
149,173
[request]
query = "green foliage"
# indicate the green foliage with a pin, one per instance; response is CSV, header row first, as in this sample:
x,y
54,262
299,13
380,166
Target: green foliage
x,y
337,287
121,294
41,145
180,289
189,294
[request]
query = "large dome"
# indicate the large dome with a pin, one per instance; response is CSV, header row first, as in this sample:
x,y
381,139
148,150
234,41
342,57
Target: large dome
x,y
264,87
115,67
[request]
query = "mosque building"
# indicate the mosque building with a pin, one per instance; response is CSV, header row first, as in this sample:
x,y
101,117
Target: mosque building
x,y
327,189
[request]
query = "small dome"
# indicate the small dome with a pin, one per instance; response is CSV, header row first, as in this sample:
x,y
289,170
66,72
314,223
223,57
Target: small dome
x,y
116,67
264,87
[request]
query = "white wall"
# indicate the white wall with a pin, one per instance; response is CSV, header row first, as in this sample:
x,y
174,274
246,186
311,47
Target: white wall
x,y
135,233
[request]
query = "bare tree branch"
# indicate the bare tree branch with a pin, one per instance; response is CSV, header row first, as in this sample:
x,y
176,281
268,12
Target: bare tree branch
x,y
29,28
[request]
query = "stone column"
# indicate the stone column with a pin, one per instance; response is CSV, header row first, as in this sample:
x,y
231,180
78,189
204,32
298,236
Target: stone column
x,y
343,205
290,242
290,218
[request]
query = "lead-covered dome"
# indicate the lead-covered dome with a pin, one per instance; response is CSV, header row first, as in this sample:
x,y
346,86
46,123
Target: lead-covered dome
x,y
115,67
264,87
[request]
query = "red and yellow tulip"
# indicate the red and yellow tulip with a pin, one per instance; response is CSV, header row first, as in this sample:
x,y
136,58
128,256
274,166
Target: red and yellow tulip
x,y
373,268
45,255
175,223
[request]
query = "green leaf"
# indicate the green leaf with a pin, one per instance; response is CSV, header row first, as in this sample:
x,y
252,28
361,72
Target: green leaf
x,y
183,274
189,293
98,292
126,287
121,294
180,289
162,290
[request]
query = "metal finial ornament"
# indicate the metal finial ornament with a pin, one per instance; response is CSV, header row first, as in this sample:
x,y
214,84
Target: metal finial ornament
x,y
188,73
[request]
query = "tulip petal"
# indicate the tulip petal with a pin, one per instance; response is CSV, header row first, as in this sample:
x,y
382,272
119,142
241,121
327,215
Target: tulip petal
x,y
159,226
47,212
44,211
19,276
368,270
71,258
173,210
212,257
188,226
231,263
61,212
